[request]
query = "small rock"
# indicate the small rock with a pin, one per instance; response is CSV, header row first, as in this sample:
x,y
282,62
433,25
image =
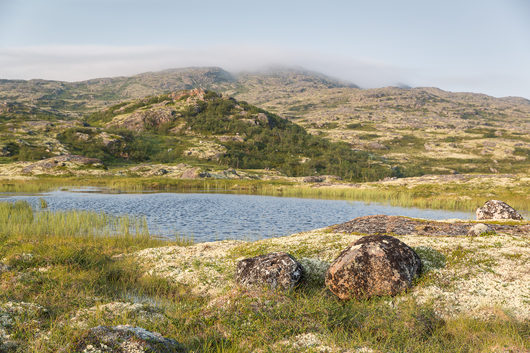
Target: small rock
x,y
495,209
479,229
372,266
124,339
276,270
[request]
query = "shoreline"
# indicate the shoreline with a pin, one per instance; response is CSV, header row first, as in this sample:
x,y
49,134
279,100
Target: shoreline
x,y
452,192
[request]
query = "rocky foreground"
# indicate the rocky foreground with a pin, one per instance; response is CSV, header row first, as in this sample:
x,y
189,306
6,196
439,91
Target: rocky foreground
x,y
475,275
472,269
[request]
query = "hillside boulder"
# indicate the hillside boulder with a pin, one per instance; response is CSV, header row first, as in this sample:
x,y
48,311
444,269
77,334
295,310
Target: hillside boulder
x,y
497,210
277,270
124,339
374,265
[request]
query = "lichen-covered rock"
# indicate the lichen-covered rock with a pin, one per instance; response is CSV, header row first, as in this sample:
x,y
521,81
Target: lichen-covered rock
x,y
480,229
373,265
495,209
275,270
124,339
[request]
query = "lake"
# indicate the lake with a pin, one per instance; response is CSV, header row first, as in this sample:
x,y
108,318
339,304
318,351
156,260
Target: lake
x,y
209,216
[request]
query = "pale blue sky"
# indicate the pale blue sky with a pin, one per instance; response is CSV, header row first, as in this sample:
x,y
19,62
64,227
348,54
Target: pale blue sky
x,y
466,45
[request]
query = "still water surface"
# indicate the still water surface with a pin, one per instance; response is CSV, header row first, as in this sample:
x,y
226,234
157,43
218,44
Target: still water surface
x,y
207,216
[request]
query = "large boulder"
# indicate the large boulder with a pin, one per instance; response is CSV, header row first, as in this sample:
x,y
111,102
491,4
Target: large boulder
x,y
495,209
275,270
124,339
374,265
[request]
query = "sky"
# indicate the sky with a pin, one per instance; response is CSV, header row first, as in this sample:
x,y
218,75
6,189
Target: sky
x,y
457,45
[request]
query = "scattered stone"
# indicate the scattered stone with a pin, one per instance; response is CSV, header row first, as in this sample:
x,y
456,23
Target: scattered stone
x,y
124,339
276,270
495,209
480,229
374,265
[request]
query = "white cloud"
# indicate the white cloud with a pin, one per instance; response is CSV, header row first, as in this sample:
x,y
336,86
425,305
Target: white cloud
x,y
74,63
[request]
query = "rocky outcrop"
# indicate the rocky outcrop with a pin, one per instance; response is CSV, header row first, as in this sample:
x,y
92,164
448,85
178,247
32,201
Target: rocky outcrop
x,y
68,161
375,265
497,210
124,339
194,173
398,225
144,120
275,270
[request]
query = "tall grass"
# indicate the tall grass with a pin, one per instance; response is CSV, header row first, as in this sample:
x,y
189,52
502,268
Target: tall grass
x,y
449,196
20,219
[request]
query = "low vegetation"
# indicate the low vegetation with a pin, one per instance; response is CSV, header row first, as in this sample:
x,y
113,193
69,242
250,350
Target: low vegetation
x,y
57,282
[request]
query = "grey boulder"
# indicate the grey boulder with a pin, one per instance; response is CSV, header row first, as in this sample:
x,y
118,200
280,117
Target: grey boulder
x,y
497,210
277,270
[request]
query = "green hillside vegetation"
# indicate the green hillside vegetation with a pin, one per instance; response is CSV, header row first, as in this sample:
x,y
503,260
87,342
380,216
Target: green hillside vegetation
x,y
160,128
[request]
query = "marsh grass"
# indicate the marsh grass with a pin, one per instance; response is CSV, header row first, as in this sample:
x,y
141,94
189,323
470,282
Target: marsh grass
x,y
83,265
19,218
448,196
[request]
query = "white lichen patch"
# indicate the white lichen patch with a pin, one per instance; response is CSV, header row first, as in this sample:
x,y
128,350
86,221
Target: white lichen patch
x,y
311,342
115,310
203,267
12,311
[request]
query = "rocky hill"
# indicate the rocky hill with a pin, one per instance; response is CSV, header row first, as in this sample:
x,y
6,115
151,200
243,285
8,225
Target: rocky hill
x,y
190,126
423,130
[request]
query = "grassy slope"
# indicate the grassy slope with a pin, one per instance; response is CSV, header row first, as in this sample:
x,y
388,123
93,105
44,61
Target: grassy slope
x,y
58,284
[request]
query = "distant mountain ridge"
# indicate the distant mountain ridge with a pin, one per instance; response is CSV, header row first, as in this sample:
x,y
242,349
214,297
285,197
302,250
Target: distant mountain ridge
x,y
74,98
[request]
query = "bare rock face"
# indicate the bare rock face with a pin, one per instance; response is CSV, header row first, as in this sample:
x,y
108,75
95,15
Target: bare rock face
x,y
372,266
495,209
275,270
125,339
